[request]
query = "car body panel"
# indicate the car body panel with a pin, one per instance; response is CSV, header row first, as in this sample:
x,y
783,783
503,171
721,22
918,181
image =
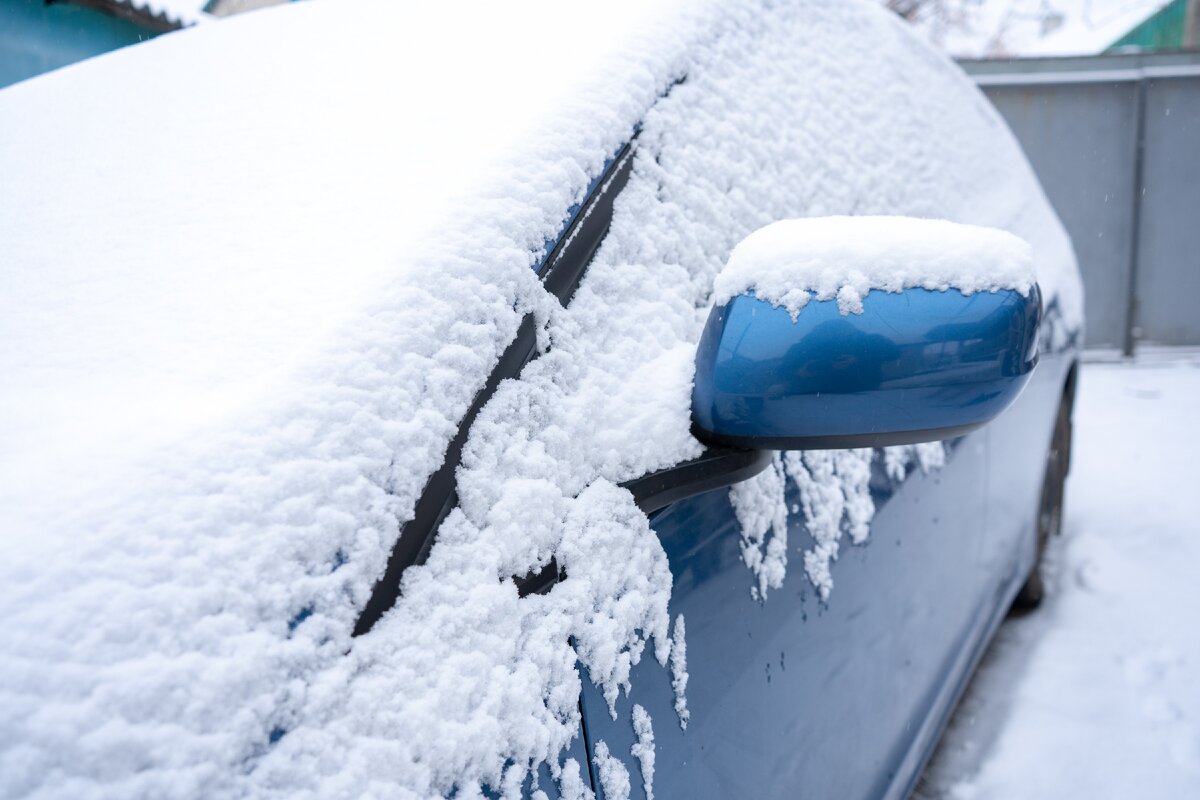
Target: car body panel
x,y
1015,463
794,696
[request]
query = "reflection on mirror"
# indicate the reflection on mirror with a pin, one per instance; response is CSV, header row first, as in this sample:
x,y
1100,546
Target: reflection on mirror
x,y
913,366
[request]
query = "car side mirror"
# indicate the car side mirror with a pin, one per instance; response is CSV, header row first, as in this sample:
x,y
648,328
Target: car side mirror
x,y
792,359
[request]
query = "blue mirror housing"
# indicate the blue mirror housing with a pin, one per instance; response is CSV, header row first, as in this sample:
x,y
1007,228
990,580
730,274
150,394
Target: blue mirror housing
x,y
914,366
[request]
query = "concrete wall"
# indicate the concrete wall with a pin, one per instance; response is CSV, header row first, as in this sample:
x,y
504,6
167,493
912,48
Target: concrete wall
x,y
1115,141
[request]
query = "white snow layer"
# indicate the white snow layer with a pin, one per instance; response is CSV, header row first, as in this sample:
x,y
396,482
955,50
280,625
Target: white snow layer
x,y
791,261
249,293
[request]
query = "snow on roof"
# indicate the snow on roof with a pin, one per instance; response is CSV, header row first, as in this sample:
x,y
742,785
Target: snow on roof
x,y
1014,28
250,291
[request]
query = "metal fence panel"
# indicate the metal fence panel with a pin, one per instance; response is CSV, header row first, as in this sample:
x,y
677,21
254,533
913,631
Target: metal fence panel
x,y
1133,211
1079,140
1168,275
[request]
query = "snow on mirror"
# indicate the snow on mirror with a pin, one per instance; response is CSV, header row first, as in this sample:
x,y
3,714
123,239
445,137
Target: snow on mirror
x,y
865,332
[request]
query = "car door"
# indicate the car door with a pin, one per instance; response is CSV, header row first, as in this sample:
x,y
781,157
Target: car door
x,y
794,695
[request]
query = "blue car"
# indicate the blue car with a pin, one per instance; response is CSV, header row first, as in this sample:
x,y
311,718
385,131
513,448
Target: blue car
x,y
808,692
501,401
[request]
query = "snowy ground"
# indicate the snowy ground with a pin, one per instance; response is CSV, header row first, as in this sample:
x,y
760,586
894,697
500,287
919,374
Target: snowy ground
x,y
1096,694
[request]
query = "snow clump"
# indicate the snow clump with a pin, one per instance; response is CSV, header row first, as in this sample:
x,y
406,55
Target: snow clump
x,y
679,671
614,778
643,748
791,261
835,495
762,516
835,498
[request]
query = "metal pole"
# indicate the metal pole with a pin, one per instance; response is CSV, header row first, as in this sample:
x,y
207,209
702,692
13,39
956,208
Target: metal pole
x,y
1191,25
1135,234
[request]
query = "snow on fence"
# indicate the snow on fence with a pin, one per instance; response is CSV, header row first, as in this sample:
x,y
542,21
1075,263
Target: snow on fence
x,y
1115,140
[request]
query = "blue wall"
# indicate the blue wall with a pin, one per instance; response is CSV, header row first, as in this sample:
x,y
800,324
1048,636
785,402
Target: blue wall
x,y
36,38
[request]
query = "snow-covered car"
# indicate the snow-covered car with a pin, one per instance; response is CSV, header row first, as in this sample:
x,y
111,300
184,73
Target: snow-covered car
x,y
491,400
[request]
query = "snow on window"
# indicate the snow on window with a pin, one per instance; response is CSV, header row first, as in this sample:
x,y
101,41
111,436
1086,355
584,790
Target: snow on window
x,y
222,401
488,677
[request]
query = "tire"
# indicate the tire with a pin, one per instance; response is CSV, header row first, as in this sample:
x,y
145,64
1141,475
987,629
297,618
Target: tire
x,y
1050,505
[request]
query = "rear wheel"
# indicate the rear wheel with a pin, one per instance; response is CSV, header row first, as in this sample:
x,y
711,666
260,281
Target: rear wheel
x,y
1050,507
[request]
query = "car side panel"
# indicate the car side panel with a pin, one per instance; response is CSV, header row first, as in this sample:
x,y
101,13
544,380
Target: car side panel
x,y
796,697
1018,442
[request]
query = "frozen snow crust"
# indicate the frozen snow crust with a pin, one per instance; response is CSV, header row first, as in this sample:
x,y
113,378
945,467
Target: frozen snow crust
x,y
249,293
789,262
